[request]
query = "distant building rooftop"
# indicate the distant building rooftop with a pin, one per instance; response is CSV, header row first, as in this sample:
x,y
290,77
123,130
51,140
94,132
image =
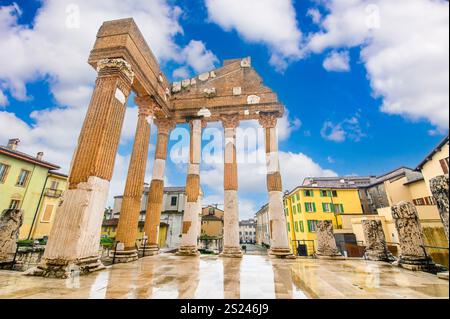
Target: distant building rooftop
x,y
434,151
28,158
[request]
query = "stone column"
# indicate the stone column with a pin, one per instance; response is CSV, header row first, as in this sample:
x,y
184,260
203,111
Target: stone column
x,y
156,192
191,209
231,212
127,229
439,188
326,243
75,236
277,220
413,255
376,247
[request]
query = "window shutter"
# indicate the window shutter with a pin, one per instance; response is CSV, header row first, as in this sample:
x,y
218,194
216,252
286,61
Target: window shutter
x,y
342,208
314,207
323,207
444,166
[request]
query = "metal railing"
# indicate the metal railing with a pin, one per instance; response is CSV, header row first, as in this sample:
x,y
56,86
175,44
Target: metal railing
x,y
53,193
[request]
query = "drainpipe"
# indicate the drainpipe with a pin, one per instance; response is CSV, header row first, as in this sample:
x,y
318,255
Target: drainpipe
x,y
37,208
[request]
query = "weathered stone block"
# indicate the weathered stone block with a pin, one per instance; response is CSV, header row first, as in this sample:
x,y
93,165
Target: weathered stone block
x,y
376,247
325,240
439,188
10,222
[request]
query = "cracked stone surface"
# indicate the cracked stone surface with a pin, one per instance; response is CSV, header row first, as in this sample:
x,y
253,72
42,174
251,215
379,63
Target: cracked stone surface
x,y
440,189
10,222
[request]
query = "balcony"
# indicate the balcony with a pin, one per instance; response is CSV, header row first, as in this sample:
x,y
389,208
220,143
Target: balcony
x,y
55,193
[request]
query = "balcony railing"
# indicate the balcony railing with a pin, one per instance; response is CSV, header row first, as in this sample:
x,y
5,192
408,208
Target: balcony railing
x,y
55,193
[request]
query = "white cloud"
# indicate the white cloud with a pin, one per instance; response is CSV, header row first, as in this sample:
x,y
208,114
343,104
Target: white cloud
x,y
349,128
3,99
337,61
405,48
181,73
270,22
198,57
315,15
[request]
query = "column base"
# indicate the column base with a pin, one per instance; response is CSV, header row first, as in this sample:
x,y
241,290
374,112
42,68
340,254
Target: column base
x,y
232,252
380,256
188,251
149,250
418,264
63,269
443,275
281,253
125,256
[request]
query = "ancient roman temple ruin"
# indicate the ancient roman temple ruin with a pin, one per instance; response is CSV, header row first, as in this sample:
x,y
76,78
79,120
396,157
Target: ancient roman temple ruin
x,y
229,94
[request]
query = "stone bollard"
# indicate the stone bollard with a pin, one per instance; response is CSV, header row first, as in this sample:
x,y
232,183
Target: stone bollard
x,y
439,188
376,247
10,222
413,254
326,248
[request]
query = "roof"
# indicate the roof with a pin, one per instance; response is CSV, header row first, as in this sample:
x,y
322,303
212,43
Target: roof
x,y
27,158
58,174
434,151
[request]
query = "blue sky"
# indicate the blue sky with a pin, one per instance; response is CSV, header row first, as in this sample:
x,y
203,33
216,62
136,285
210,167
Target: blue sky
x,y
370,117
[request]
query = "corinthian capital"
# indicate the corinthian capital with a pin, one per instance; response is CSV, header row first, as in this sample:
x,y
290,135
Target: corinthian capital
x,y
146,104
165,126
116,64
230,121
268,120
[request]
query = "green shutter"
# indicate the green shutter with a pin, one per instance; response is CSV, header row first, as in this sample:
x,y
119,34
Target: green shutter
x,y
314,207
295,210
323,207
302,227
342,208
306,207
299,208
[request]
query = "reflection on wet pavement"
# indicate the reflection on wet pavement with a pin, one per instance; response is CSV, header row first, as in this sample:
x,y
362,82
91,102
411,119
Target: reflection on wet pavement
x,y
253,277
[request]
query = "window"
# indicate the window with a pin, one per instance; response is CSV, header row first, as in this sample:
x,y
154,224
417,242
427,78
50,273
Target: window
x,y
296,226
3,172
309,193
297,197
174,200
54,185
23,178
310,207
327,207
48,212
445,165
339,208
312,225
334,193
295,210
289,227
323,193
15,204
299,208
302,226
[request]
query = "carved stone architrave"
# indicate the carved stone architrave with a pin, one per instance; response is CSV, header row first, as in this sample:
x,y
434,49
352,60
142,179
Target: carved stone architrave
x,y
440,189
326,243
413,253
10,222
376,247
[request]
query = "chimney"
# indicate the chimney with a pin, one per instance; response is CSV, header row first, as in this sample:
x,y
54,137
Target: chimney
x,y
40,155
13,143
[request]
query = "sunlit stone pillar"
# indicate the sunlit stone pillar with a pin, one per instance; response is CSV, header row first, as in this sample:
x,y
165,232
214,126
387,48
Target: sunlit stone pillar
x,y
277,219
231,211
326,243
376,247
413,255
439,188
75,236
127,229
191,209
156,192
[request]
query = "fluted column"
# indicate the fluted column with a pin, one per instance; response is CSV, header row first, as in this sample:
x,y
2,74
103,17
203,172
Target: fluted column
x,y
231,212
156,193
279,245
191,209
127,229
75,236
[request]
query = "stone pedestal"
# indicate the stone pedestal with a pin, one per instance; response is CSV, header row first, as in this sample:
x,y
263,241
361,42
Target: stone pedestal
x,y
279,242
326,243
413,254
149,250
376,247
10,222
125,256
440,189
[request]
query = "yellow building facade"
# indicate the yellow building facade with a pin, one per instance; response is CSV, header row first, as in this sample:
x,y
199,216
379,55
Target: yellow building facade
x,y
305,206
